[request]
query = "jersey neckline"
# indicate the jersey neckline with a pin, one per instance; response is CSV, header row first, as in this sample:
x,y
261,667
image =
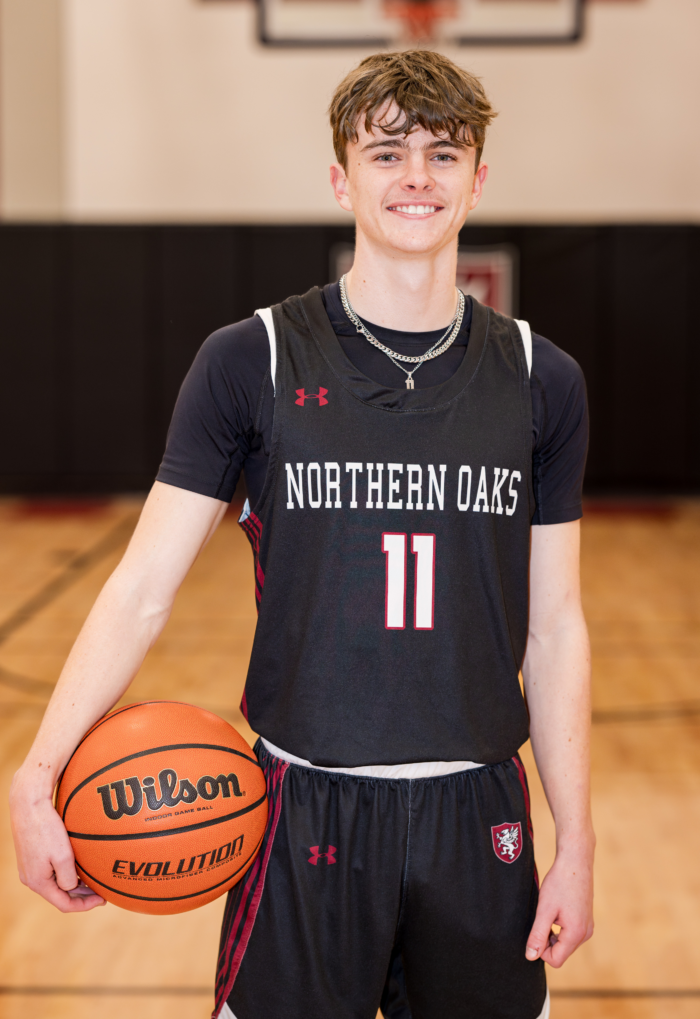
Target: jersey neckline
x,y
384,397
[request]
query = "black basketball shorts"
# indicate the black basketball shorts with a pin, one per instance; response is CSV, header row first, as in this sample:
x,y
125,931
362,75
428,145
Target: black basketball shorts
x,y
416,894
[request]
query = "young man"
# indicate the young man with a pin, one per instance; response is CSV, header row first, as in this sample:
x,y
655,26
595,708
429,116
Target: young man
x,y
414,465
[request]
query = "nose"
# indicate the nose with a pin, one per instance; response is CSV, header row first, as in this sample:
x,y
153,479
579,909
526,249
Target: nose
x,y
417,178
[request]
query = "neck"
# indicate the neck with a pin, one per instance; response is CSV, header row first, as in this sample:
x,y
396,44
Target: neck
x,y
414,293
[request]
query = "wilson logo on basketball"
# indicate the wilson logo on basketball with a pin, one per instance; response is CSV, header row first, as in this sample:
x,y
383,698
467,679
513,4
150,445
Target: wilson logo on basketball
x,y
116,801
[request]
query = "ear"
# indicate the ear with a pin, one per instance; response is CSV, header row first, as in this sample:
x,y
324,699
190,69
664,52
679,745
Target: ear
x,y
478,185
339,183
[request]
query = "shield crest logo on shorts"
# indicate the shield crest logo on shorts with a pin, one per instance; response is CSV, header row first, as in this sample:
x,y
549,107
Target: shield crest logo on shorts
x,y
507,841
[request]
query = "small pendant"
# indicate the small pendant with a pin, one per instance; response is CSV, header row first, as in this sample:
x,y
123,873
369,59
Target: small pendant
x,y
409,384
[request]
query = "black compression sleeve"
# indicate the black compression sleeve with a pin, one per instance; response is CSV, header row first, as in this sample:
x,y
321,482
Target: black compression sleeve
x,y
212,429
560,433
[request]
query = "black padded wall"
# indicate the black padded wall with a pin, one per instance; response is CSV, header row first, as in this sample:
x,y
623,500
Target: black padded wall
x,y
98,325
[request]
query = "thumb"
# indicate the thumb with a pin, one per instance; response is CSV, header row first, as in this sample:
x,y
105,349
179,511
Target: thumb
x,y
540,933
63,863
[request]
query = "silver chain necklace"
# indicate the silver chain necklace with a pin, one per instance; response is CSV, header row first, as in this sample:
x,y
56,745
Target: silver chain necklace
x,y
439,347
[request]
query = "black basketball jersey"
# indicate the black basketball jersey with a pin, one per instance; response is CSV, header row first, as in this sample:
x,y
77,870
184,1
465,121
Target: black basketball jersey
x,y
391,545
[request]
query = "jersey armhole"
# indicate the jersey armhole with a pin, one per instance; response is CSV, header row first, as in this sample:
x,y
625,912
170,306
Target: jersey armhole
x,y
266,316
526,334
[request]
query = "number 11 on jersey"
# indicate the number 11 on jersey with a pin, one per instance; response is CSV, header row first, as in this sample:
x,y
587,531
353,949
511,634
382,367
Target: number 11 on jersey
x,y
395,548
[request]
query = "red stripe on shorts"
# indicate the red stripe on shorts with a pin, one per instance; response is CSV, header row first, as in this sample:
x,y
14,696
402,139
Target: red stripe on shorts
x,y
243,904
526,795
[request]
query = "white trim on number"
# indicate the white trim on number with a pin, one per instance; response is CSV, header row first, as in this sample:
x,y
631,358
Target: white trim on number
x,y
423,547
394,547
266,315
526,334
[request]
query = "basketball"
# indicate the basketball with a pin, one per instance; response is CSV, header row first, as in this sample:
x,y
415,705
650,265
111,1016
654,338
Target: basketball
x,y
165,806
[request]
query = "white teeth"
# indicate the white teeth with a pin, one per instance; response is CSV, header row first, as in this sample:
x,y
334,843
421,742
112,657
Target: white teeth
x,y
415,210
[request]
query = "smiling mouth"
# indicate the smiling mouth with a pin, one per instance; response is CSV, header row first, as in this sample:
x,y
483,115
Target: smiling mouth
x,y
415,210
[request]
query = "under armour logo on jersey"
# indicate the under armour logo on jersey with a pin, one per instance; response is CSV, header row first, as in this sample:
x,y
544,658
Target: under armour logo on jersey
x,y
320,396
329,856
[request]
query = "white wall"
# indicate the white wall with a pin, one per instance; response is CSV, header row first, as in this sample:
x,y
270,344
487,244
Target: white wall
x,y
172,111
31,108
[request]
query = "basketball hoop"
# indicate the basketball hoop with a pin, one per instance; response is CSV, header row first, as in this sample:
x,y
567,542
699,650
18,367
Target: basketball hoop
x,y
384,23
420,17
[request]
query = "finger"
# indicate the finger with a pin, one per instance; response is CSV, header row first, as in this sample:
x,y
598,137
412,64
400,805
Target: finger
x,y
565,944
72,899
64,901
85,893
80,890
541,931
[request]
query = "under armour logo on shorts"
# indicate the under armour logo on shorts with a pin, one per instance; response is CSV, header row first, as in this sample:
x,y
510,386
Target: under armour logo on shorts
x,y
320,396
329,856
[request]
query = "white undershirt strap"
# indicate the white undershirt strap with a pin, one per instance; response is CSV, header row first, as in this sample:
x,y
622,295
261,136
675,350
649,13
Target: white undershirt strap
x,y
266,315
526,334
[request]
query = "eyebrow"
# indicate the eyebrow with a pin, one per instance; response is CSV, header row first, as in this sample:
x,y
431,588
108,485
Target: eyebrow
x,y
399,143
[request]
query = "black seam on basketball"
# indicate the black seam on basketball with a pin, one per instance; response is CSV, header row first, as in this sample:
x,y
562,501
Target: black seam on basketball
x,y
163,832
173,898
154,750
98,725
114,714
129,707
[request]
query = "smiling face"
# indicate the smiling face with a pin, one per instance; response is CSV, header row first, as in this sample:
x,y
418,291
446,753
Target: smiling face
x,y
410,193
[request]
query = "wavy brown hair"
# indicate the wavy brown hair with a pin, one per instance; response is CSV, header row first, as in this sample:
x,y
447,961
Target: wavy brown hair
x,y
430,91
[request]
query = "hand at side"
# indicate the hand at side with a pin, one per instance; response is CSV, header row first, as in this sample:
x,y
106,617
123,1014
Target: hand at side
x,y
556,672
566,899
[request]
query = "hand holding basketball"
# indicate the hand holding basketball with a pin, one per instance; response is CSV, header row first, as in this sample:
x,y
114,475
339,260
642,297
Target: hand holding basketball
x,y
162,842
165,806
44,854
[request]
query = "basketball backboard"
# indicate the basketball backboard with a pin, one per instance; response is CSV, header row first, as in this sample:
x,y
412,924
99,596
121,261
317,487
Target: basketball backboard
x,y
401,22
487,272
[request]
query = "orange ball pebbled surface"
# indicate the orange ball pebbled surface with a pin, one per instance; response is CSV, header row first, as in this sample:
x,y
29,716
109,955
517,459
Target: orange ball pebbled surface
x,y
165,805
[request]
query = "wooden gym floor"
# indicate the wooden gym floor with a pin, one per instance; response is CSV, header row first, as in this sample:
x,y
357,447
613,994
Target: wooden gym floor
x,y
641,575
